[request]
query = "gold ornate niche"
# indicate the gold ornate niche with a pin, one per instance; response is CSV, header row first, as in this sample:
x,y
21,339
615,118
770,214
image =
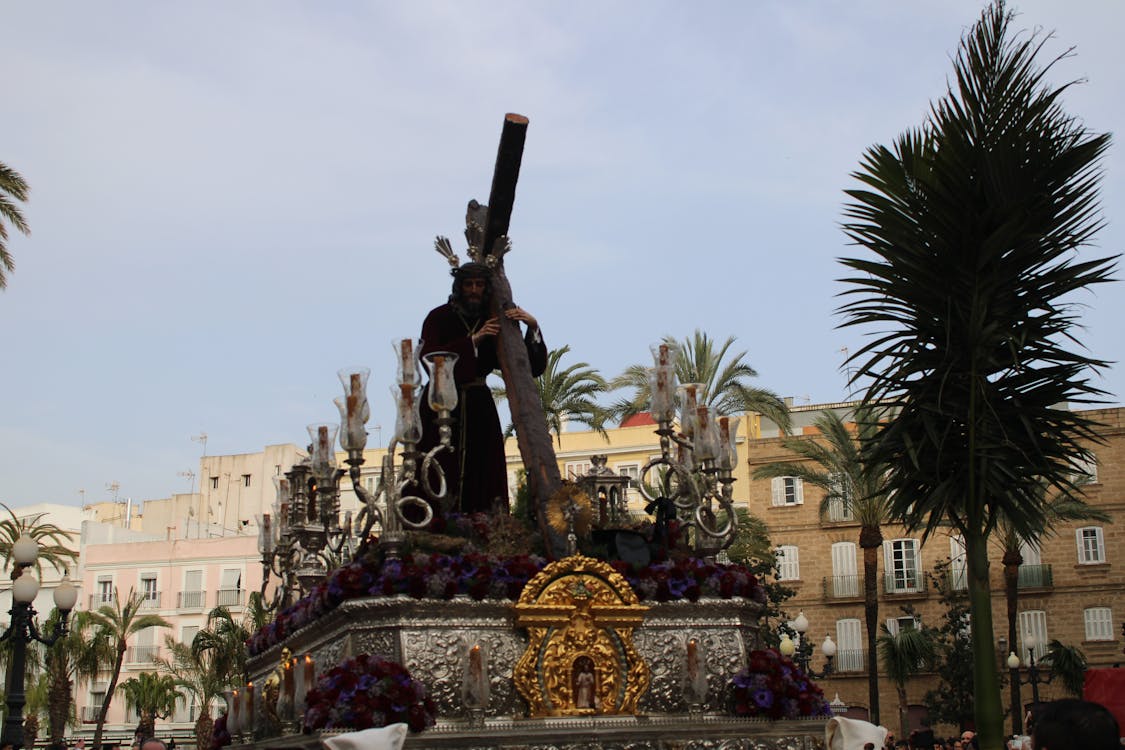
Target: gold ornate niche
x,y
580,615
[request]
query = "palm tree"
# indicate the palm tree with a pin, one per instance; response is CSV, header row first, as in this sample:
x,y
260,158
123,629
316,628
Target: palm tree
x,y
117,622
567,394
975,220
52,540
834,464
195,672
75,655
223,642
13,187
1067,663
699,361
153,695
904,654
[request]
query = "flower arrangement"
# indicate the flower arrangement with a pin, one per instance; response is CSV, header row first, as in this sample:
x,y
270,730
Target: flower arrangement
x,y
486,576
772,686
368,691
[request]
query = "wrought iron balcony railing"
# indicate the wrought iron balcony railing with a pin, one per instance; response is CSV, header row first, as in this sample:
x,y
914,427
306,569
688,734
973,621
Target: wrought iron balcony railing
x,y
192,599
843,587
1035,577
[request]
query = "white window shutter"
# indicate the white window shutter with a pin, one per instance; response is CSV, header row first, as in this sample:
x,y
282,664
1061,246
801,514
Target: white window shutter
x,y
777,487
799,490
892,625
1081,547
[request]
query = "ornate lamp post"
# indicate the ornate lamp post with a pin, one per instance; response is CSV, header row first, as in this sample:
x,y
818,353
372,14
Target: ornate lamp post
x,y
1033,677
23,629
804,650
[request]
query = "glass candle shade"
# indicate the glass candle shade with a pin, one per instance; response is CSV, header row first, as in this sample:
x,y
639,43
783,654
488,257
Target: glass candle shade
x,y
281,505
662,384
690,396
728,442
443,387
407,368
265,533
323,438
706,435
408,422
354,411
664,354
475,682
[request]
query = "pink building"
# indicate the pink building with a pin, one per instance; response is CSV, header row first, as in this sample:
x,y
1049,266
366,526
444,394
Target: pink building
x,y
179,579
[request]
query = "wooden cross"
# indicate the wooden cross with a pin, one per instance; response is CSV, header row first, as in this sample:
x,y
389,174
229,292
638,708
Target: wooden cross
x,y
532,435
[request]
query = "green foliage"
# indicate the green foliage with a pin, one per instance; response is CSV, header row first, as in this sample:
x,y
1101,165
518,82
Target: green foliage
x,y
13,187
1068,664
53,541
975,223
153,695
700,360
775,618
567,394
752,539
952,701
223,643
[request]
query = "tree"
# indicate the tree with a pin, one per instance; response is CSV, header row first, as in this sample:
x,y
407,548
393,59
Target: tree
x,y
724,380
77,654
1068,663
567,394
153,695
195,672
903,655
834,464
52,541
975,221
117,622
13,188
952,701
223,642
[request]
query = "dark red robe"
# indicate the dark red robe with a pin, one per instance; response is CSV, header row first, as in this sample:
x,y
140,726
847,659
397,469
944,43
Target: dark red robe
x,y
476,471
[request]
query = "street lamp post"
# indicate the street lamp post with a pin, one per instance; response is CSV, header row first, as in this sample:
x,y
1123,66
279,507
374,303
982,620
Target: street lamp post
x,y
803,651
23,629
1033,678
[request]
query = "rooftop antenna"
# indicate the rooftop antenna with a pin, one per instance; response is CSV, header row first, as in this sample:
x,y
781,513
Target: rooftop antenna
x,y
847,366
189,474
201,438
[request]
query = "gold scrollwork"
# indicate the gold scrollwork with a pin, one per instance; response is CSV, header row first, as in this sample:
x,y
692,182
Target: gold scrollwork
x,y
580,615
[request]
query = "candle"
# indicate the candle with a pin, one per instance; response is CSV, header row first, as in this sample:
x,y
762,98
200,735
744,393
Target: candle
x,y
310,672
235,714
476,681
299,687
287,679
696,676
248,714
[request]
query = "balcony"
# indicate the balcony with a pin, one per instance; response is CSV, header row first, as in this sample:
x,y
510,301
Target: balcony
x,y
90,713
150,600
838,588
905,583
229,598
142,654
192,599
851,660
956,580
101,600
1035,577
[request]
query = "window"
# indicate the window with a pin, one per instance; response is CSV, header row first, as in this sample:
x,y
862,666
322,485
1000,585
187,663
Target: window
x,y
193,595
787,490
105,589
849,646
840,506
230,588
1099,623
958,570
1086,470
633,471
1033,573
788,563
214,483
277,470
371,481
1091,545
575,469
903,575
896,625
845,580
245,480
187,634
150,596
1033,625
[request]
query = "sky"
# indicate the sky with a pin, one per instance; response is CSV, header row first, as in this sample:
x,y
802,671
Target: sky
x,y
232,201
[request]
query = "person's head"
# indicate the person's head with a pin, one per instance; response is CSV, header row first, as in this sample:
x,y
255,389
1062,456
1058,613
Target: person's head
x,y
472,288
958,745
151,743
1077,724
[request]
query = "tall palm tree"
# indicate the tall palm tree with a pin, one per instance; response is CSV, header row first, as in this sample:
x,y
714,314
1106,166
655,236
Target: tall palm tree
x,y
153,695
975,221
723,374
567,394
832,462
75,655
54,542
117,622
905,654
13,187
195,672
